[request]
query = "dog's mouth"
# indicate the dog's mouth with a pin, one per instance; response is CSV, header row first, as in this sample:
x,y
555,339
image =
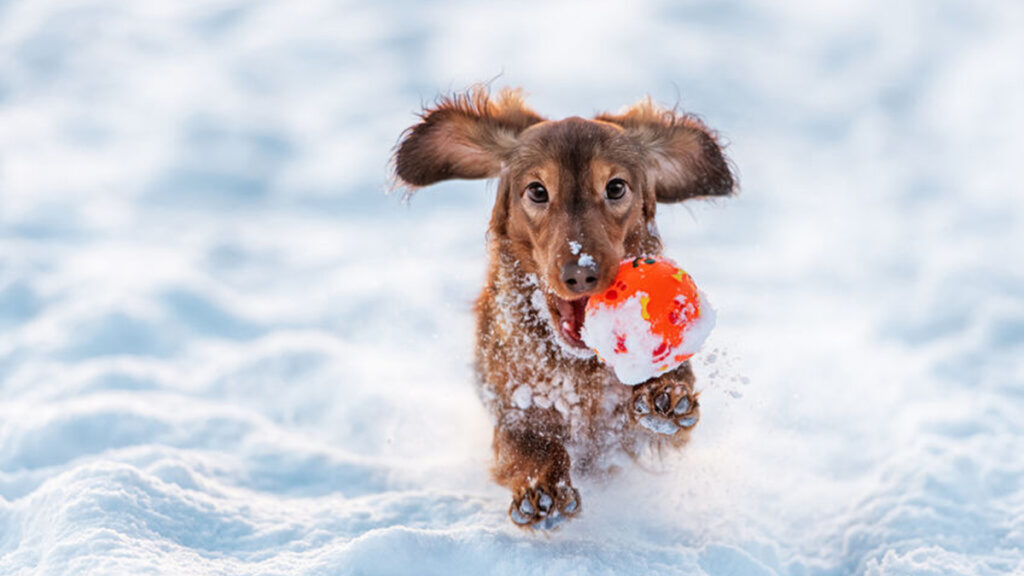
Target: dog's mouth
x,y
568,316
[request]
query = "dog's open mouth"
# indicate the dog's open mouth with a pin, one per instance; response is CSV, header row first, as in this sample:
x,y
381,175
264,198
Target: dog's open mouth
x,y
568,316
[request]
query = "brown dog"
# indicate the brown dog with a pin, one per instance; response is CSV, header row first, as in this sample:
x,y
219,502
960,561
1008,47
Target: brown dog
x,y
575,198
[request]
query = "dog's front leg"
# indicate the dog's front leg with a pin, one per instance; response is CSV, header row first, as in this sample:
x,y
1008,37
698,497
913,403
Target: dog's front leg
x,y
532,461
667,405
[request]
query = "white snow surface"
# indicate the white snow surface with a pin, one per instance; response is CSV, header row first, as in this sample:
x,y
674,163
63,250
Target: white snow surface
x,y
224,350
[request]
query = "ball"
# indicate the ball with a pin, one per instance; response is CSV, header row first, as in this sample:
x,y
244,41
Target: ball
x,y
650,320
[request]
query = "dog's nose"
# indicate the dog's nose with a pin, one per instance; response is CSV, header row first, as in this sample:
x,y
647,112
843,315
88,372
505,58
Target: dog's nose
x,y
579,278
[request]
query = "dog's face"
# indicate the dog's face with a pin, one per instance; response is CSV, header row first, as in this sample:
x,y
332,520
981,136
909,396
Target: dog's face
x,y
575,196
574,207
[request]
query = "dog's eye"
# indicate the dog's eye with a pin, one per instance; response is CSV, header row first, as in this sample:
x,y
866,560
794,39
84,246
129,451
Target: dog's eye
x,y
615,189
537,193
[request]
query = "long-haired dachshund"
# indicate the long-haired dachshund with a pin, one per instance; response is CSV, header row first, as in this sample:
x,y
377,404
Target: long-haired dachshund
x,y
575,197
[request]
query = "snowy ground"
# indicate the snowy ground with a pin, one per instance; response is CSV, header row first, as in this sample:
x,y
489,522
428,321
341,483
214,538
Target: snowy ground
x,y
224,351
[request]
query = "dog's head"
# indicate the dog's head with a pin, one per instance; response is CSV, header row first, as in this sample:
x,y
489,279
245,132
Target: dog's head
x,y
575,196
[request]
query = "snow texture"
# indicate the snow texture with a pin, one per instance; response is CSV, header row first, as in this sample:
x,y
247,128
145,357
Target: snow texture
x,y
223,350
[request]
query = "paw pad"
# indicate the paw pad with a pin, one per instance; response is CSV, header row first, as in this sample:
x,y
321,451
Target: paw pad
x,y
665,409
544,508
662,402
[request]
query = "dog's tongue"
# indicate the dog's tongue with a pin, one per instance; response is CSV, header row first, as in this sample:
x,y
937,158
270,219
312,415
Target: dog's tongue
x,y
573,313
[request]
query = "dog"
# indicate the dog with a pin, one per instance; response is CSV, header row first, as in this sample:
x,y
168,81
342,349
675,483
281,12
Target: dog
x,y
575,197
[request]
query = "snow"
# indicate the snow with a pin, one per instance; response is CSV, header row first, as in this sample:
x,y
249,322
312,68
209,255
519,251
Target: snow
x,y
522,396
584,259
224,350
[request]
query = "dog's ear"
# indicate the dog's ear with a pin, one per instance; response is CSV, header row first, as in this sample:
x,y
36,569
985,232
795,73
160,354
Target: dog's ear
x,y
463,136
683,157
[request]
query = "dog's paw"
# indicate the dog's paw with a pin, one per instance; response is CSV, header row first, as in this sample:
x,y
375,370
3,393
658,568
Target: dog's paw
x,y
665,407
545,508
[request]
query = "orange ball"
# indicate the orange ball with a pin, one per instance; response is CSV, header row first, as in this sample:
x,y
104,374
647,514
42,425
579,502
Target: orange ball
x,y
650,320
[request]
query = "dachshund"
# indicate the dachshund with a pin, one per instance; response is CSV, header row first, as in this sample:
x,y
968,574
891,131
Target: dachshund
x,y
575,197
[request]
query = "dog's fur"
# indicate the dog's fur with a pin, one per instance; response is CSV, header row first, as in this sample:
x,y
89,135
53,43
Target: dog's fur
x,y
557,409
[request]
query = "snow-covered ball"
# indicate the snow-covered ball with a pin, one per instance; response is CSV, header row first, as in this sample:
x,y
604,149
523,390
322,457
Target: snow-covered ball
x,y
650,320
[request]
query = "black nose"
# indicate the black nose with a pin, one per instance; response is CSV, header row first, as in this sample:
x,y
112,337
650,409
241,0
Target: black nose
x,y
579,278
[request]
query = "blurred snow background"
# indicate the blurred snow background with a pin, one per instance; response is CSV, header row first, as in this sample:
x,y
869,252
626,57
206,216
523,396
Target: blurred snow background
x,y
223,350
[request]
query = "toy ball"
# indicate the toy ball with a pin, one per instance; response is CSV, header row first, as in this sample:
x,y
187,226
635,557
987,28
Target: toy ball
x,y
650,320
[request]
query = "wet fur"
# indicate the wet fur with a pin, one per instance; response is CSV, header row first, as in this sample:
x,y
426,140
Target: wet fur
x,y
573,416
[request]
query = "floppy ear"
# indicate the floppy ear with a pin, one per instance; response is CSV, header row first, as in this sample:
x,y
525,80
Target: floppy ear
x,y
683,157
464,136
